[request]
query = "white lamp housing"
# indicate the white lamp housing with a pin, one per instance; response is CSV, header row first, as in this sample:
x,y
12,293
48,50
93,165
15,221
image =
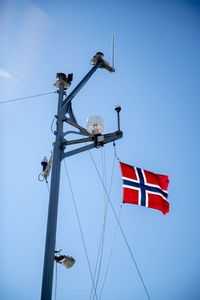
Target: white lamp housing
x,y
68,261
95,125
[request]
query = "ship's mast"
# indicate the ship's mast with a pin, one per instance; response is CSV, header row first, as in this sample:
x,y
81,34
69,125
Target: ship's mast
x,y
65,114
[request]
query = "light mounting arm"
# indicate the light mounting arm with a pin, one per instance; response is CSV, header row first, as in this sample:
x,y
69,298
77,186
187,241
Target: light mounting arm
x,y
78,88
99,62
98,140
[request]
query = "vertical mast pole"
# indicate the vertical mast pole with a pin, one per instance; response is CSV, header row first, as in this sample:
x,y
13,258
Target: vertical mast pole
x,y
47,280
62,83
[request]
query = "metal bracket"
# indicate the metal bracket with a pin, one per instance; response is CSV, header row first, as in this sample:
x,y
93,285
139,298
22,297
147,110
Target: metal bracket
x,y
77,89
99,140
71,120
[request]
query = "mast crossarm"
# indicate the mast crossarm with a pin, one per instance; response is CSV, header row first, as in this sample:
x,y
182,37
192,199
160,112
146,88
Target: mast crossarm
x,y
99,140
78,141
76,151
113,136
74,132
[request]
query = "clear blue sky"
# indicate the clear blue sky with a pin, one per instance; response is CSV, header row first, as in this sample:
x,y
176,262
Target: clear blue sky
x,y
157,83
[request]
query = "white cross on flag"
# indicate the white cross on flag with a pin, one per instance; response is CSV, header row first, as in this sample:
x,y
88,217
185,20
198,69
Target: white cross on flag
x,y
145,188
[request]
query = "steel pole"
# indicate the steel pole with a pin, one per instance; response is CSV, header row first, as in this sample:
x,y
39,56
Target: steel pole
x,y
47,280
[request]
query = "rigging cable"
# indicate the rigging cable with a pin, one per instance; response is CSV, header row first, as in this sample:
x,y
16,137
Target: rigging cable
x,y
116,230
105,216
103,162
47,185
104,222
101,243
115,151
122,231
52,123
24,98
80,228
99,259
111,253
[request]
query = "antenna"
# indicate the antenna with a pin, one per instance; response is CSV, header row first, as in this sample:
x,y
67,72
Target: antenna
x,y
113,51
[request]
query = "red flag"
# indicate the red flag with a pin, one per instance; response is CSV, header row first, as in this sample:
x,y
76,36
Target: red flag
x,y
145,188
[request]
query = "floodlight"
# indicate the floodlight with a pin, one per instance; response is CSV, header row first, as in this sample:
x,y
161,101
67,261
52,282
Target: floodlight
x,y
66,260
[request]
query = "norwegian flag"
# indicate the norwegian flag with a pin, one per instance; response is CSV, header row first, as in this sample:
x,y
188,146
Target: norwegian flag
x,y
145,188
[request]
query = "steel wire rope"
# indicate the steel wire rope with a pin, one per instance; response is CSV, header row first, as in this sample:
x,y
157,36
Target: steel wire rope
x,y
112,174
122,231
24,98
103,159
80,228
99,251
116,229
105,214
47,185
98,262
111,253
102,238
115,151
52,123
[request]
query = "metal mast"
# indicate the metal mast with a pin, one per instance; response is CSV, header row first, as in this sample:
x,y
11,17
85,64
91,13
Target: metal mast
x,y
53,202
65,114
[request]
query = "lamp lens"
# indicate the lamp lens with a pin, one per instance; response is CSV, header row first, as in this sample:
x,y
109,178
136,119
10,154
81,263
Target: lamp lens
x,y
95,125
